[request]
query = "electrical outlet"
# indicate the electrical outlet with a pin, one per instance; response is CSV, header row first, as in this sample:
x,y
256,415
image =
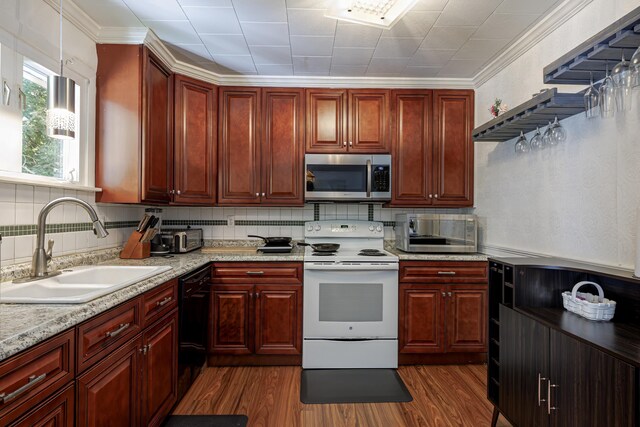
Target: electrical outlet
x,y
231,220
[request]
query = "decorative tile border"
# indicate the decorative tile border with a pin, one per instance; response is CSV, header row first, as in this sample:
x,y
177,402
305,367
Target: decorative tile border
x,y
201,222
370,212
281,223
30,229
316,212
389,223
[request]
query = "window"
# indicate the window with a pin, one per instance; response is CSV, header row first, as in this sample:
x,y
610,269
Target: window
x,y
42,155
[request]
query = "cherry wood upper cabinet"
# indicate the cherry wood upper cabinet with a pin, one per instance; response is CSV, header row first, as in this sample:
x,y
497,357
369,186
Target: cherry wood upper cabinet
x,y
341,120
282,147
453,147
368,121
239,150
411,146
326,120
432,147
195,167
134,126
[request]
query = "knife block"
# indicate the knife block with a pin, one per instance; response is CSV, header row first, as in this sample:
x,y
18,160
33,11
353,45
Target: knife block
x,y
135,249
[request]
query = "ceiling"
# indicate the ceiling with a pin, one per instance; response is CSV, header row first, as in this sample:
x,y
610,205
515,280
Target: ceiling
x,y
435,39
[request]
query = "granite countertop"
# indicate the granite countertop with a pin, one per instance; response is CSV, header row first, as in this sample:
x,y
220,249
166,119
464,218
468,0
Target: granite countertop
x,y
24,325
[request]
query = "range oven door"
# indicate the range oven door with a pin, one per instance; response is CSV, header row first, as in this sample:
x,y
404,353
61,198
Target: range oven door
x,y
350,301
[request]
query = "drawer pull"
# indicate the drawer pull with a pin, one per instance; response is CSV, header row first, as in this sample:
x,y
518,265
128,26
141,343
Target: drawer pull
x,y
33,380
446,273
165,301
123,326
255,273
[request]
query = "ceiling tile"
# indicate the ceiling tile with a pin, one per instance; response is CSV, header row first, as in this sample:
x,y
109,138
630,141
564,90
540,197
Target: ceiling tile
x,y
308,64
310,22
236,62
430,5
397,47
387,65
266,33
109,13
225,44
355,35
348,70
174,31
480,49
352,56
191,52
421,71
261,10
156,10
467,12
275,69
447,37
271,55
504,26
213,20
206,3
308,4
461,68
413,24
431,58
311,45
526,6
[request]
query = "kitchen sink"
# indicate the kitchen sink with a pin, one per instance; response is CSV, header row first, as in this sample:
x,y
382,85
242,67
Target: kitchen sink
x,y
76,285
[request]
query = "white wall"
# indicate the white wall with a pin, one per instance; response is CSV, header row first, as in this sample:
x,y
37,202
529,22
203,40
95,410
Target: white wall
x,y
578,200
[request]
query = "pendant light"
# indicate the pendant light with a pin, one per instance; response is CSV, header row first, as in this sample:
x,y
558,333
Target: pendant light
x,y
61,117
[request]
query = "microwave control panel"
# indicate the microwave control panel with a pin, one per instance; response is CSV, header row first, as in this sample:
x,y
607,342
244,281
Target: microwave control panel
x,y
381,180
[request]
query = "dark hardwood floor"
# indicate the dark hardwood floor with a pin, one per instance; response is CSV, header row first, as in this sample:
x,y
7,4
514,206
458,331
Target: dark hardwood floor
x,y
270,396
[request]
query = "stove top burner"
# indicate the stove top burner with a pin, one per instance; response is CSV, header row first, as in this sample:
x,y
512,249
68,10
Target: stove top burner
x,y
370,251
323,254
361,253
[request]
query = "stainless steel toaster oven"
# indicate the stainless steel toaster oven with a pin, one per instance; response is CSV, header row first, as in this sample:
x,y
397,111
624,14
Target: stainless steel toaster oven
x,y
183,240
437,233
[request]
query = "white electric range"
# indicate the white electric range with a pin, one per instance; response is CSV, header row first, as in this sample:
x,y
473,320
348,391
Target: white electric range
x,y
350,298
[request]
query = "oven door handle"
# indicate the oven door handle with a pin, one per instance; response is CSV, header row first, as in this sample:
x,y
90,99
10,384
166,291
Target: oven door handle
x,y
351,267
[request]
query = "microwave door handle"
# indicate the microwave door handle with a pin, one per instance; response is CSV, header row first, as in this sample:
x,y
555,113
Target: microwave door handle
x,y
369,179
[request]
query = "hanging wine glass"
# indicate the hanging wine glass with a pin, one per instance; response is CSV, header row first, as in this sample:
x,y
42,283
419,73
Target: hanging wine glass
x,y
522,146
558,132
634,66
591,100
621,76
537,143
547,136
607,96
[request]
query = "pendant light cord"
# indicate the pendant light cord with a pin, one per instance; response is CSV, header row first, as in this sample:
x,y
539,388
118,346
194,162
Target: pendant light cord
x,y
61,61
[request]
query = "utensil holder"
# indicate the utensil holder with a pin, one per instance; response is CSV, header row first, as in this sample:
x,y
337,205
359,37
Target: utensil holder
x,y
135,249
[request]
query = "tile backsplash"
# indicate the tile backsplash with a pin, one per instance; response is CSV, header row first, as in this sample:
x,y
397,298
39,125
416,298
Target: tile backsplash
x,y
71,229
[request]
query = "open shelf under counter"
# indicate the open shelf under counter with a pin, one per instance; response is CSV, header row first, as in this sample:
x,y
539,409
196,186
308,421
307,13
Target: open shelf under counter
x,y
526,117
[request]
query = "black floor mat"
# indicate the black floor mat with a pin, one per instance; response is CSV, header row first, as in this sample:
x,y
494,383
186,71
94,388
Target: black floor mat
x,y
352,386
206,421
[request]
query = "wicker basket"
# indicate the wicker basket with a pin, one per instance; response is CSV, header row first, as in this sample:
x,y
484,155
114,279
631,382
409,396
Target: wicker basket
x,y
587,305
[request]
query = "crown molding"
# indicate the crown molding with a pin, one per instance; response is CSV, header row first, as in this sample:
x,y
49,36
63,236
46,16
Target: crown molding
x,y
122,35
76,16
535,35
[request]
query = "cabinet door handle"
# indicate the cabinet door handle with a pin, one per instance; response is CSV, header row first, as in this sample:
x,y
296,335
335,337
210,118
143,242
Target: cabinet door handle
x,y
257,294
350,143
431,196
257,194
255,273
436,196
164,301
446,273
344,144
449,294
444,294
123,326
263,194
550,407
33,380
540,399
178,192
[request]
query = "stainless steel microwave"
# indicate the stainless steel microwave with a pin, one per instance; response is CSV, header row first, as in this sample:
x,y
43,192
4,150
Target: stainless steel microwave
x,y
347,177
435,233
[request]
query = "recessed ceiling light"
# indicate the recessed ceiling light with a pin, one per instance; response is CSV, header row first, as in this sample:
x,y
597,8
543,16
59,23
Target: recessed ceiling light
x,y
377,13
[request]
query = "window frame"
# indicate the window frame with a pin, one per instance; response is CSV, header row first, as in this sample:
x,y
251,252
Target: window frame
x,y
16,52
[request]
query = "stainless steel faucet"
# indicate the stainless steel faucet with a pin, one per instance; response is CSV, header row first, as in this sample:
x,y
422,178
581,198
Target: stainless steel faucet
x,y
41,257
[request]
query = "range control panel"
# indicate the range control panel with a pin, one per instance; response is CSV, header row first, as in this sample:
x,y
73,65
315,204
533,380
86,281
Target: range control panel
x,y
346,229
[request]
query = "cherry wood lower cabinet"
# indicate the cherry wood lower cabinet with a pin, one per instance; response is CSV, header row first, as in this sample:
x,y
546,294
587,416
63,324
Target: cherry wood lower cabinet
x,y
438,315
256,312
57,411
